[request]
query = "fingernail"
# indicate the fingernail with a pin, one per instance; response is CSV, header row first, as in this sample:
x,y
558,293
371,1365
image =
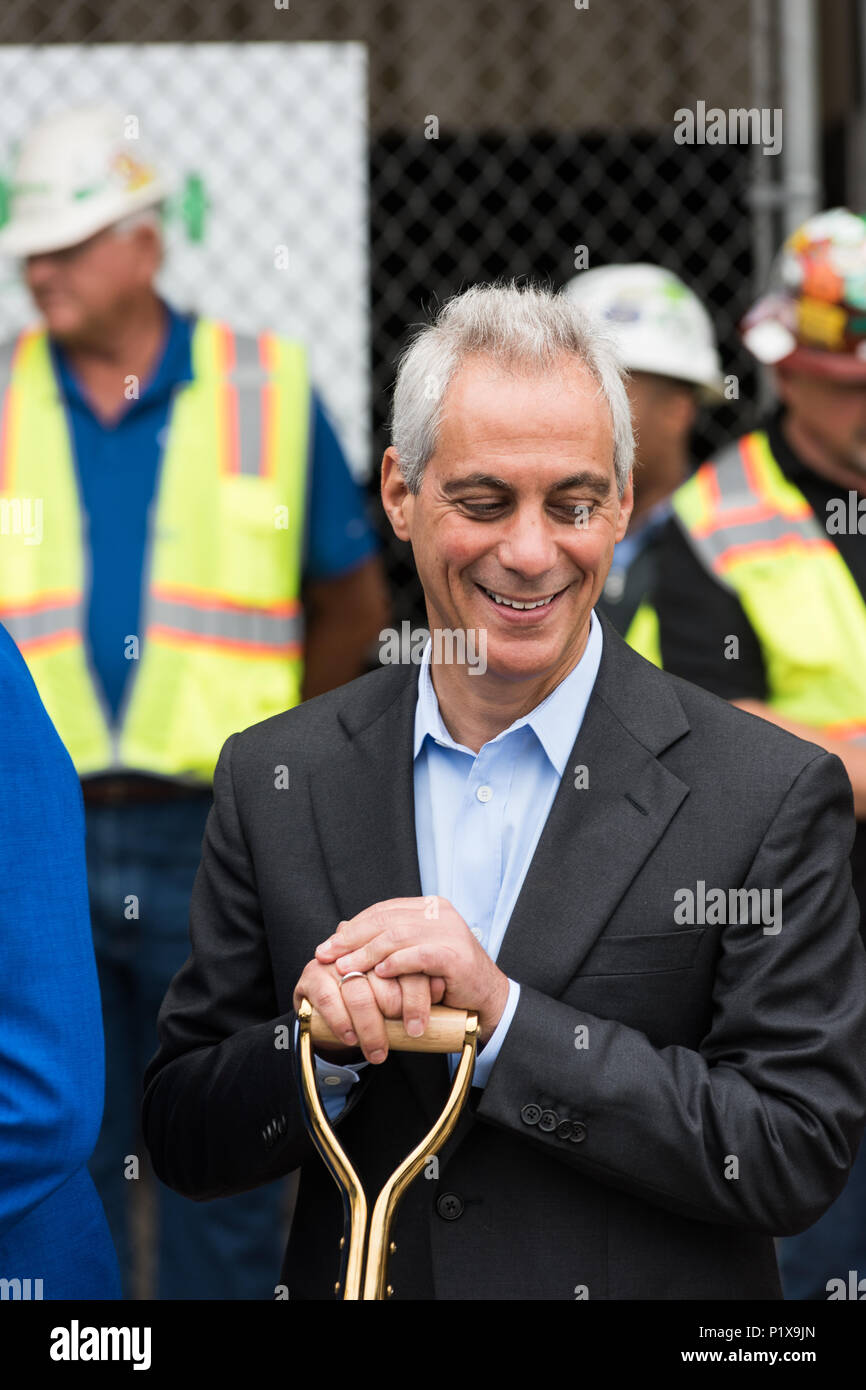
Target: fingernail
x,y
350,1038
414,1027
378,1055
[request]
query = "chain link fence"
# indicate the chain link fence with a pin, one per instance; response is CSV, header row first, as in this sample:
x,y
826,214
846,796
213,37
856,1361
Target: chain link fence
x,y
502,136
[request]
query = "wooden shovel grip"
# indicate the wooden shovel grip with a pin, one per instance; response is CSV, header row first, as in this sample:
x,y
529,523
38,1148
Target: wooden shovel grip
x,y
445,1032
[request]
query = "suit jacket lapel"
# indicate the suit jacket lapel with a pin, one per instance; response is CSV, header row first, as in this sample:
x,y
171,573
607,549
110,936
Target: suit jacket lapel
x,y
597,835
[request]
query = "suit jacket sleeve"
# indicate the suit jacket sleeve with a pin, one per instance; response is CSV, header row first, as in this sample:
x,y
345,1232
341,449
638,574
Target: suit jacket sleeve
x,y
221,1113
758,1128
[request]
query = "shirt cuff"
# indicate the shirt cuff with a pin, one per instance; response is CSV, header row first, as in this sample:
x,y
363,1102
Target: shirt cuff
x,y
485,1060
333,1082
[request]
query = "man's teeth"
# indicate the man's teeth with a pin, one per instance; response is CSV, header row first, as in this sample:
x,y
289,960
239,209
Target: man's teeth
x,y
512,603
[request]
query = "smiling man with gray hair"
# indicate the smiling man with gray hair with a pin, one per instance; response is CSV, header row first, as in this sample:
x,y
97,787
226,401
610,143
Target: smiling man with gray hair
x,y
652,1101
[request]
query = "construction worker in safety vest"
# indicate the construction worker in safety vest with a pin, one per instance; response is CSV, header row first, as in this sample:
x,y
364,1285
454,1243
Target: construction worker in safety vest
x,y
665,337
183,552
760,593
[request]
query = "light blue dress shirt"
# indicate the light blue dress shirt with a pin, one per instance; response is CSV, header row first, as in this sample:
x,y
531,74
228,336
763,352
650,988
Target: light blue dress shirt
x,y
478,819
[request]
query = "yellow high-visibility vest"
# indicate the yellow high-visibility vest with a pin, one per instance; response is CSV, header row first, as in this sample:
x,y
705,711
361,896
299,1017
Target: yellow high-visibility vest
x,y
221,639
755,532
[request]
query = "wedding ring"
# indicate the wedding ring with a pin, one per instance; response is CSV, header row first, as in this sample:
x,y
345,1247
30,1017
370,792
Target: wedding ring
x,y
353,975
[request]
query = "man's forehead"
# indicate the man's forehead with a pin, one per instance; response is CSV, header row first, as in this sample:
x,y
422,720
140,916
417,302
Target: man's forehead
x,y
481,374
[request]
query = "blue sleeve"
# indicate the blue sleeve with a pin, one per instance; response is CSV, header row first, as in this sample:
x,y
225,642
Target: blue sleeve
x,y
486,1058
333,1082
51,1046
339,535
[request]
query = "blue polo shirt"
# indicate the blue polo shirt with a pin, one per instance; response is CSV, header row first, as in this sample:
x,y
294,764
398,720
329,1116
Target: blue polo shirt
x,y
117,466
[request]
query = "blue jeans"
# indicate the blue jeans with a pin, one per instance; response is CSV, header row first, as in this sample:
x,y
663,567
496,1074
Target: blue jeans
x,y
834,1245
141,862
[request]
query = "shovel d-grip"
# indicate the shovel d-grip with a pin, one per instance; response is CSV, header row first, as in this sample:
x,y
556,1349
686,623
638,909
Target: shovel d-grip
x,y
364,1254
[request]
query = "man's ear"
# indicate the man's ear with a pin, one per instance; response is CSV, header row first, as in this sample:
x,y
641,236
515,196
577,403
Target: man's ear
x,y
148,242
626,505
684,411
397,500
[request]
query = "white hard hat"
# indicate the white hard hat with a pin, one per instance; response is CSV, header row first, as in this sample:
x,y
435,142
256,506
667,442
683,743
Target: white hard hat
x,y
77,173
658,324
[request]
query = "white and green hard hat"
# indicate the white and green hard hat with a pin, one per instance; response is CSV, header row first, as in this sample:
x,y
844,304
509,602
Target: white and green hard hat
x,y
77,173
659,325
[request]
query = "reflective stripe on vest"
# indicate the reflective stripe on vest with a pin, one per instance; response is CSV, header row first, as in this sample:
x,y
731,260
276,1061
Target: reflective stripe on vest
x,y
757,534
221,640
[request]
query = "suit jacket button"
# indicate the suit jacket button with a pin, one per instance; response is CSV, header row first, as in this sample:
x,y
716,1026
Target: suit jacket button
x,y
530,1114
564,1129
548,1121
449,1206
578,1131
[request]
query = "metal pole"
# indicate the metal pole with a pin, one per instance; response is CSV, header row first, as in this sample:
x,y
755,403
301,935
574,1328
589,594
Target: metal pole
x,y
764,192
855,175
801,117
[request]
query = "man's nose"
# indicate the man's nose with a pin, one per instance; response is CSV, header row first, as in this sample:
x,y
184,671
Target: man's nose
x,y
38,270
528,546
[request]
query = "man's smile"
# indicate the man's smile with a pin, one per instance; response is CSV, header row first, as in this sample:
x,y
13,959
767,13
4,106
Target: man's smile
x,y
522,610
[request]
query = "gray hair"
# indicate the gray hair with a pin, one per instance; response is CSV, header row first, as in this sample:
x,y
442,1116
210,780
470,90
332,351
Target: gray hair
x,y
526,327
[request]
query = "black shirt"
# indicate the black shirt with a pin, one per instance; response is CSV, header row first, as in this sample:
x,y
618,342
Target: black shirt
x,y
697,615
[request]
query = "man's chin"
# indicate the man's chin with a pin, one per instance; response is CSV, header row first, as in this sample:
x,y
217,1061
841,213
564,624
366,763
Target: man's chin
x,y
525,658
65,328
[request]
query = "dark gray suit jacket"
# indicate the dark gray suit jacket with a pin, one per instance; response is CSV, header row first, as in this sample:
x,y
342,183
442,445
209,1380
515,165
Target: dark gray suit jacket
x,y
721,1094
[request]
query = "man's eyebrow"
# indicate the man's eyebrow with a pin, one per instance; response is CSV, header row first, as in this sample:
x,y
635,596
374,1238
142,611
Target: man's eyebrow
x,y
587,481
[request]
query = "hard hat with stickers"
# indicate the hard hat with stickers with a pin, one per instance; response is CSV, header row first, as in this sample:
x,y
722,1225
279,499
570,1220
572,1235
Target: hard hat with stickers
x,y
813,317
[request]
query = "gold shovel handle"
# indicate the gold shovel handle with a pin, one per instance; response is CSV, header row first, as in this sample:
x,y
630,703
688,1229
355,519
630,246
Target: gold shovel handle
x,y
446,1032
365,1255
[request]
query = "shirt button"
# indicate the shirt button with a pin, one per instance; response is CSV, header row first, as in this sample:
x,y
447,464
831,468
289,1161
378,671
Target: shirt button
x,y
332,1080
477,933
450,1206
484,793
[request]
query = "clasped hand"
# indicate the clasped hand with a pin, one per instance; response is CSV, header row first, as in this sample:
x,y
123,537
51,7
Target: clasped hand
x,y
413,953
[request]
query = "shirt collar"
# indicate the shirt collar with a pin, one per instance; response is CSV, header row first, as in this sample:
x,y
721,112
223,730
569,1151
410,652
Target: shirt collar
x,y
554,722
